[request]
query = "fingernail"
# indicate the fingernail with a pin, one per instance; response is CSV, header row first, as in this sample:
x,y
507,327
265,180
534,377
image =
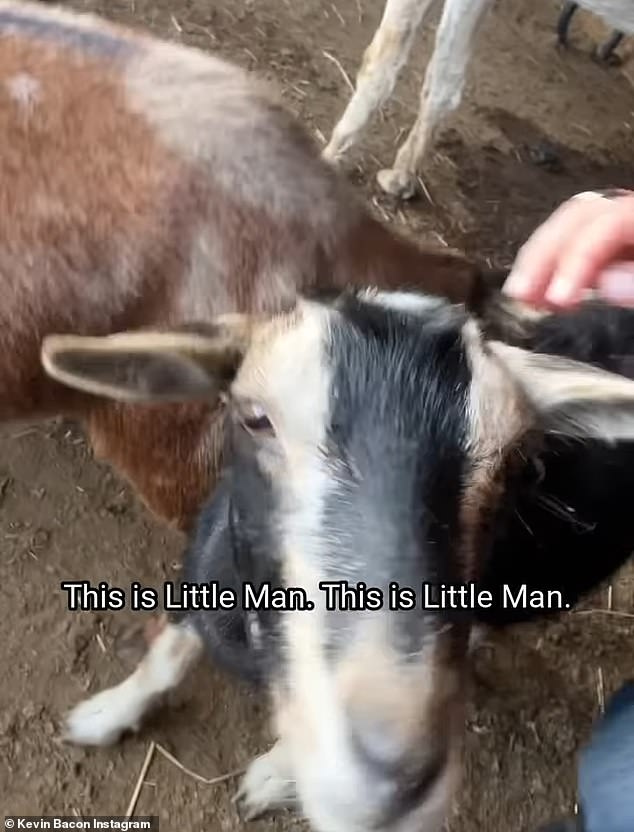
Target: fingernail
x,y
559,292
516,284
588,196
616,283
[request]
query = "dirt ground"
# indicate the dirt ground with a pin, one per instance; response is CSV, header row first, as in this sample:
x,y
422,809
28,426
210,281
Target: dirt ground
x,y
536,125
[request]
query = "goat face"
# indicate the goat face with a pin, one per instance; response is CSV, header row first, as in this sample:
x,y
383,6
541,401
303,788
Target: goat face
x,y
369,439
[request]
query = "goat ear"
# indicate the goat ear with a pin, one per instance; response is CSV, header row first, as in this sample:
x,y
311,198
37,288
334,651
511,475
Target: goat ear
x,y
570,397
151,366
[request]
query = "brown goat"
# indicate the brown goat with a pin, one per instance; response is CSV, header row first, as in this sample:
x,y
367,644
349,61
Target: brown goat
x,y
146,184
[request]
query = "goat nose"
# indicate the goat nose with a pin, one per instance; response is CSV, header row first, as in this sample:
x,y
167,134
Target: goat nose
x,y
412,768
378,746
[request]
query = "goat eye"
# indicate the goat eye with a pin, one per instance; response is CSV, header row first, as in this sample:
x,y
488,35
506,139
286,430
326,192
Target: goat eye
x,y
254,419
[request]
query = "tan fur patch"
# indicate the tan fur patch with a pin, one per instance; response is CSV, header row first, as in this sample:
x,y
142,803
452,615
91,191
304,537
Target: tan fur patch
x,y
406,698
284,371
498,415
171,454
388,42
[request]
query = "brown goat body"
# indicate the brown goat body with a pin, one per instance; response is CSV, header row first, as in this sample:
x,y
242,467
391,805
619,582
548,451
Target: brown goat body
x,y
148,185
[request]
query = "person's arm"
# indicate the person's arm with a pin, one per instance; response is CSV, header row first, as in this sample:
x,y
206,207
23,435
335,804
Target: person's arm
x,y
587,243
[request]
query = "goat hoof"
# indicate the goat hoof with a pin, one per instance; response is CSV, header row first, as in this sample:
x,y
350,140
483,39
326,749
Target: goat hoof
x,y
332,154
264,788
398,183
100,720
607,58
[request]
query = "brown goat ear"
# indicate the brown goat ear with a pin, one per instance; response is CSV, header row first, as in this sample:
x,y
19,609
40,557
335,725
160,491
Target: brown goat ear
x,y
150,366
570,397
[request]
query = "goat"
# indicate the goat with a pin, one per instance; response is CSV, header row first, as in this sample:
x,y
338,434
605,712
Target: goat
x,y
377,439
444,78
145,184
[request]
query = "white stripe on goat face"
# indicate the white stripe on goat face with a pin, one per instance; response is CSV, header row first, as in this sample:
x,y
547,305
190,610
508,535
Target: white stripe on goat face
x,y
368,722
287,372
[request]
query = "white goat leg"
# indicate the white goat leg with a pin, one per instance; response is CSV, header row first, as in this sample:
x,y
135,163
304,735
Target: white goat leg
x,y
102,719
441,93
382,61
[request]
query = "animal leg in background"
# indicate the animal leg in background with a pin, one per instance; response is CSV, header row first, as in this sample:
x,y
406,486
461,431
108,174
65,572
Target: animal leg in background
x,y
441,93
605,52
563,22
383,60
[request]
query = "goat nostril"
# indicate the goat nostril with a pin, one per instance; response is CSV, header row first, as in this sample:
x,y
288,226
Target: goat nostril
x,y
420,781
414,785
409,771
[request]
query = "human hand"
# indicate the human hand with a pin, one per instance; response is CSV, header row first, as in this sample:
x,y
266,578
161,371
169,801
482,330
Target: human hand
x,y
587,243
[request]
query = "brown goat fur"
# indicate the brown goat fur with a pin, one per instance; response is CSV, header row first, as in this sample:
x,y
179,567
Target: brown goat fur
x,y
147,185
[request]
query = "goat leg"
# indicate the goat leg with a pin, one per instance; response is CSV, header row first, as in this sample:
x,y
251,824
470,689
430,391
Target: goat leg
x,y
178,646
104,717
563,23
605,52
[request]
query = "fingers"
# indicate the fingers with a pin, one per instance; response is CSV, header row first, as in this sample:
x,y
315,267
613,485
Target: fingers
x,y
571,250
537,260
601,241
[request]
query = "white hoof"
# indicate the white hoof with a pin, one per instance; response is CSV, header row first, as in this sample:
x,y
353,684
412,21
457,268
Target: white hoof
x,y
332,154
266,786
102,719
399,183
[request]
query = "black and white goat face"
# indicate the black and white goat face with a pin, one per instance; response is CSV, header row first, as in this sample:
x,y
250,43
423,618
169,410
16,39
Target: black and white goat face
x,y
369,440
